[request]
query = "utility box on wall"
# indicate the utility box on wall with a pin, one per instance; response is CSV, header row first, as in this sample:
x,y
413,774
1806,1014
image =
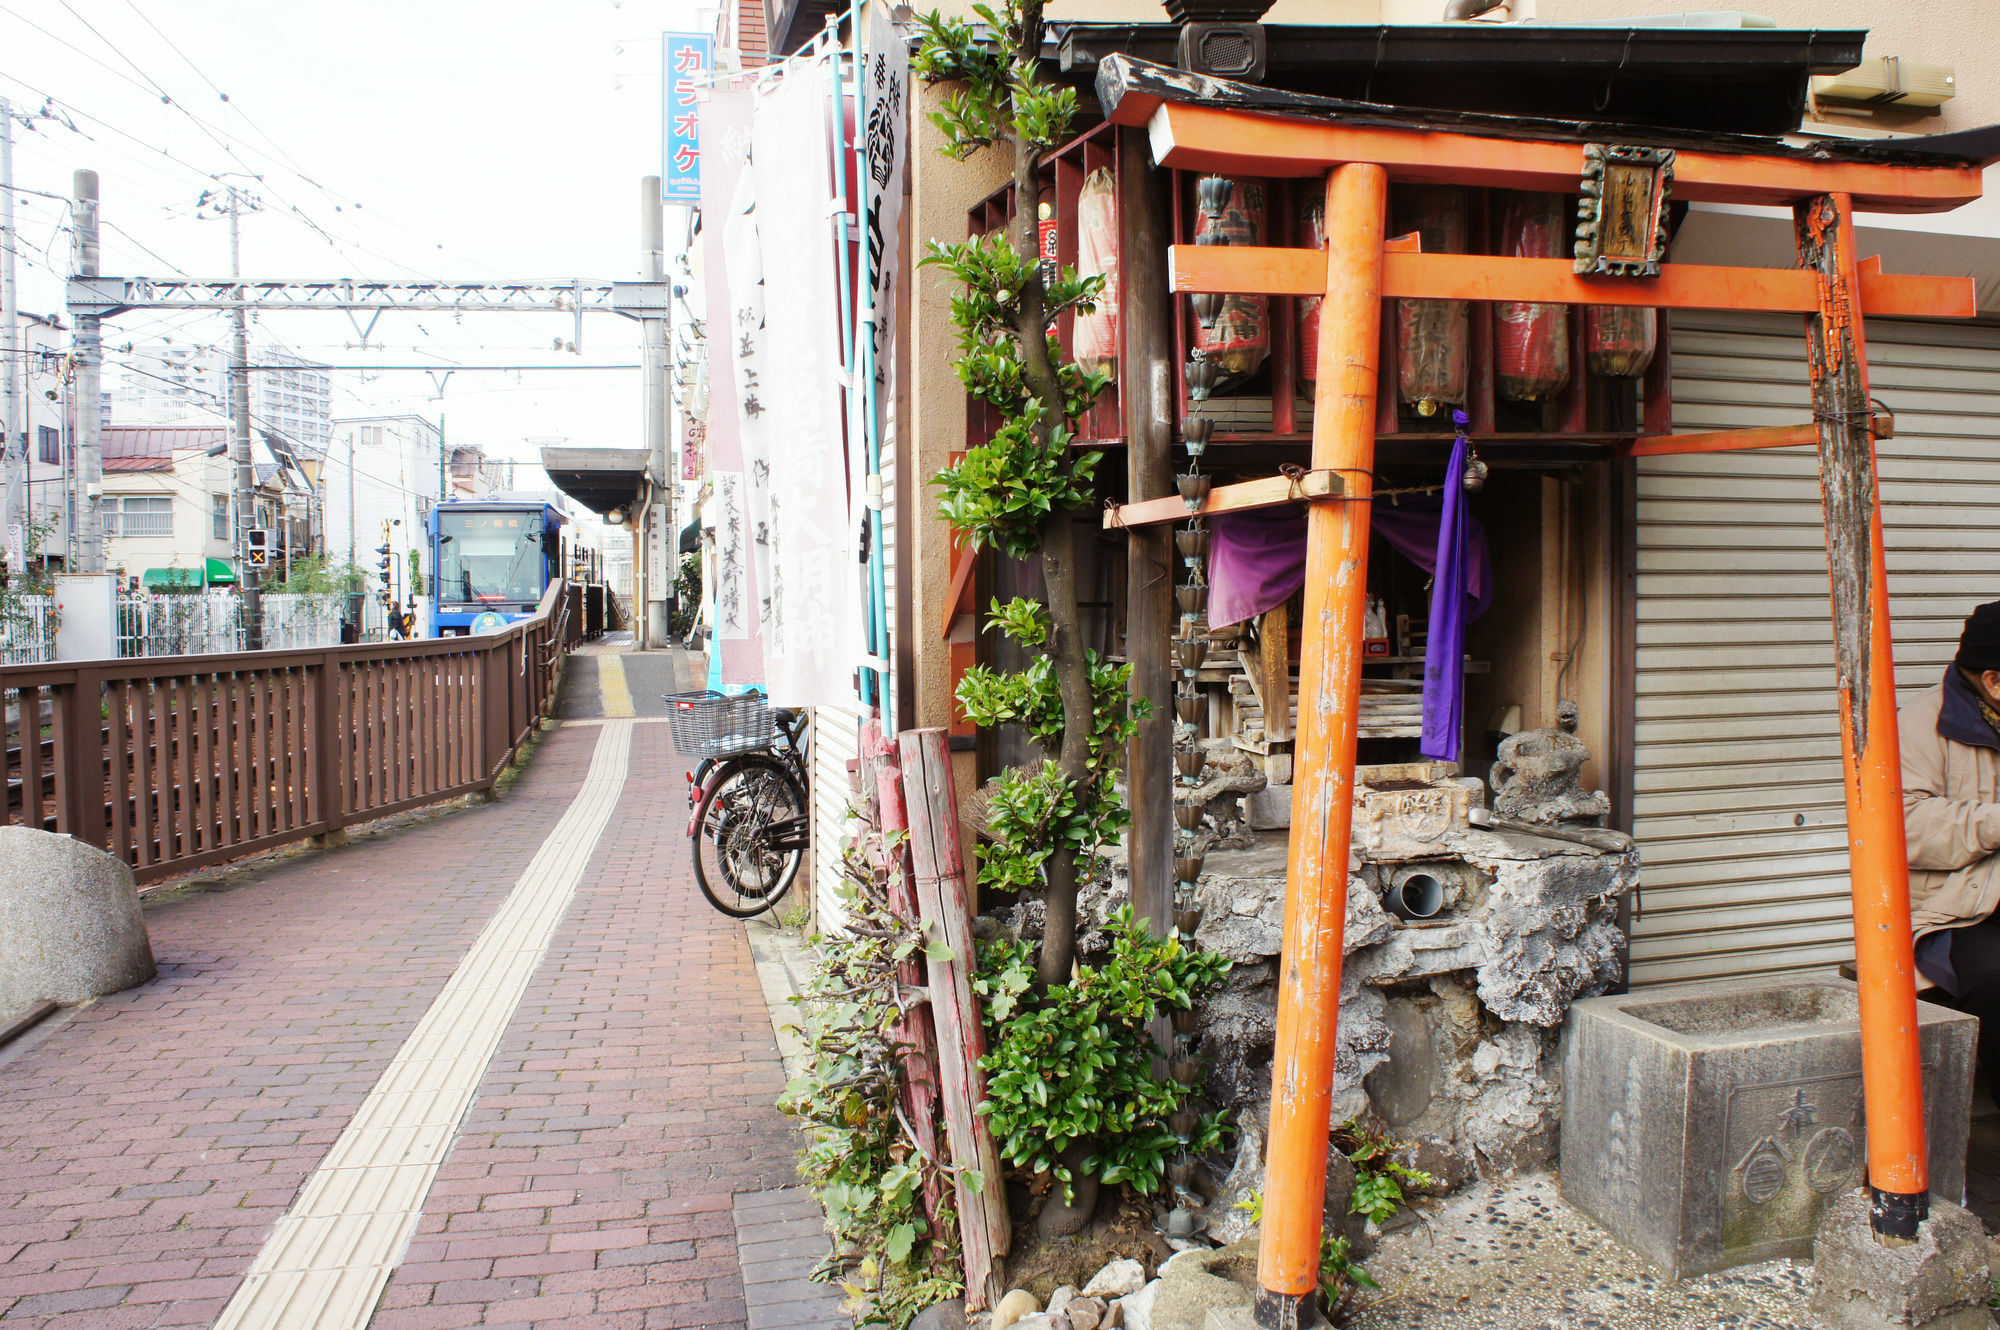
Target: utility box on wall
x,y
86,616
1711,1125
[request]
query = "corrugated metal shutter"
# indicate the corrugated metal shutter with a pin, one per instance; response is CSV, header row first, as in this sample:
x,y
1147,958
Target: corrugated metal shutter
x,y
1738,804
836,741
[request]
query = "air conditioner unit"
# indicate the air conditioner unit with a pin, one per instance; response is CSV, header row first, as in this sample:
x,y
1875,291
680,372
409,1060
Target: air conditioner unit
x,y
1888,81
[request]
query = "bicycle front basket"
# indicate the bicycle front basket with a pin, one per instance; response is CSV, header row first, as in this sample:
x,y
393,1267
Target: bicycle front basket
x,y
712,724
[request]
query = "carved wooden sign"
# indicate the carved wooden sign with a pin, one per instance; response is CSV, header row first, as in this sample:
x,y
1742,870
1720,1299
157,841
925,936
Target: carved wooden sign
x,y
1621,218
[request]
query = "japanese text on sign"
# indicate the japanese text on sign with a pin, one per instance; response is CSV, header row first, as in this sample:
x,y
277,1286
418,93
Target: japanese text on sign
x,y
687,66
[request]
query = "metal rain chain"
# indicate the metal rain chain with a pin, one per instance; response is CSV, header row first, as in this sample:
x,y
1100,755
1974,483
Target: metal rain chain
x,y
1186,1217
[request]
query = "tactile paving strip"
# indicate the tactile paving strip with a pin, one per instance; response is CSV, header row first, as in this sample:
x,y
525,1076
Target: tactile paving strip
x,y
613,693
329,1258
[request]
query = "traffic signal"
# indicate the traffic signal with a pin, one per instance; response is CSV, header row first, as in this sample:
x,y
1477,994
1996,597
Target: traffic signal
x,y
383,565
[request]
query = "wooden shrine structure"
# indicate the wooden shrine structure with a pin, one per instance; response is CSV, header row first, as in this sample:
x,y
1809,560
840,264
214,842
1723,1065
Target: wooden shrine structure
x,y
1625,176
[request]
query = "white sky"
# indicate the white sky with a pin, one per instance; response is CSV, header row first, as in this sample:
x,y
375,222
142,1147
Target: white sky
x,y
459,140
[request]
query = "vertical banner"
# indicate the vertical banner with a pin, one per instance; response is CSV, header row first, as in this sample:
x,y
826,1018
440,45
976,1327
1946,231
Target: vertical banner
x,y
885,83
743,258
687,69
732,563
814,593
726,121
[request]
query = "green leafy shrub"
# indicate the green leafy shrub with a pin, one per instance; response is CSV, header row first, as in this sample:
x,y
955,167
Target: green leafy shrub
x,y
861,1157
1074,1062
1378,1174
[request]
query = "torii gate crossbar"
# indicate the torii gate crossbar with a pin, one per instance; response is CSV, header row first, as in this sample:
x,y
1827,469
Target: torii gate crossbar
x,y
1361,266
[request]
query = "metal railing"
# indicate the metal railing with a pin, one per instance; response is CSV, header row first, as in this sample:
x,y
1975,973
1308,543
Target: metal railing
x,y
172,763
27,629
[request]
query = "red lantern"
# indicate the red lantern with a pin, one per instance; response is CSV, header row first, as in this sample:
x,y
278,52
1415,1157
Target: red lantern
x,y
1312,230
1240,338
1046,235
1432,336
1530,339
1619,340
1095,335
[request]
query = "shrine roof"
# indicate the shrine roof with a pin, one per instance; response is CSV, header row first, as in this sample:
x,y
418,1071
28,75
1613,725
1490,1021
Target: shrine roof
x,y
1130,90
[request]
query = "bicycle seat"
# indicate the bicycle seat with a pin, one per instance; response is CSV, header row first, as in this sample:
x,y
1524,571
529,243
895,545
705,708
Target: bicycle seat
x,y
785,716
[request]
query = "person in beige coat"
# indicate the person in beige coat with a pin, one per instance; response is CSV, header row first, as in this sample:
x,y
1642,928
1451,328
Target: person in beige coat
x,y
1951,814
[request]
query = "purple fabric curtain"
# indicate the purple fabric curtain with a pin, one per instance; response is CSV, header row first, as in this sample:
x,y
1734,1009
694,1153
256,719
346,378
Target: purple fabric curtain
x,y
1451,608
1257,560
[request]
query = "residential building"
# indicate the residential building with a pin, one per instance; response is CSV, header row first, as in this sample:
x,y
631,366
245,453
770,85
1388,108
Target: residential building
x,y
382,470
472,474
289,394
46,458
169,504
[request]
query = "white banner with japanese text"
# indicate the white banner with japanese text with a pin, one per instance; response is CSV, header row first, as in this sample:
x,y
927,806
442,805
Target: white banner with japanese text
x,y
726,135
814,591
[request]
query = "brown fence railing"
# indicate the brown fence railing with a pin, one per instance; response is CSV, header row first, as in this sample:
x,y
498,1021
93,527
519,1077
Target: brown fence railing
x,y
175,762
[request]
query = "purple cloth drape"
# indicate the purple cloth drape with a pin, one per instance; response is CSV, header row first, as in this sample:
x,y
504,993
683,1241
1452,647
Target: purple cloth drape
x,y
1444,649
1257,560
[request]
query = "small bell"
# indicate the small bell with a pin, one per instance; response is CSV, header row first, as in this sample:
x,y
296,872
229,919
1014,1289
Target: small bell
x,y
1475,474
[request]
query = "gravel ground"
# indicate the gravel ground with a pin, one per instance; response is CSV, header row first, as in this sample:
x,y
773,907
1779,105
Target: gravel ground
x,y
1512,1256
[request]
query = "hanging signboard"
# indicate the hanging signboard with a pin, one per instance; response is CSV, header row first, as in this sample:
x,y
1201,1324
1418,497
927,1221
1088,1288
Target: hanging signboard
x,y
694,445
687,68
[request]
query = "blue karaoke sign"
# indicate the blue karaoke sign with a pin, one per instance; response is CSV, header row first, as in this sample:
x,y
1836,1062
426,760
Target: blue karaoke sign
x,y
687,67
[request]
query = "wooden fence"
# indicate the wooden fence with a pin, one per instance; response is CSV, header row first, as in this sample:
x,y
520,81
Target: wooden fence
x,y
175,762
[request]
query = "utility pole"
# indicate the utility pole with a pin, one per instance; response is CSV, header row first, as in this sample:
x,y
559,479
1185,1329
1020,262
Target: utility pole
x,y
233,202
14,514
652,245
87,542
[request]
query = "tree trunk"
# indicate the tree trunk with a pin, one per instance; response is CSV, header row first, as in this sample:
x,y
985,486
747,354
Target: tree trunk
x,y
1065,649
1065,644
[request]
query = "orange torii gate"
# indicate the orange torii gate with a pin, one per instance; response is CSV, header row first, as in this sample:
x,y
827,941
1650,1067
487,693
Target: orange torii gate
x,y
1207,125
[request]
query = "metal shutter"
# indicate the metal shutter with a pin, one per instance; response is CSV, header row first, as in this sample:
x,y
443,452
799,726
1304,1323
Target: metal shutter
x,y
1738,804
836,741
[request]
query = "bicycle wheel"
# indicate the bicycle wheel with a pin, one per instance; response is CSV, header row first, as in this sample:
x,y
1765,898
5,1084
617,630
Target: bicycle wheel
x,y
749,835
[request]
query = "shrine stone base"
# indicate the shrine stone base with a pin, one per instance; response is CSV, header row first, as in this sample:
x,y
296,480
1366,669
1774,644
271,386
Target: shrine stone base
x,y
1938,1282
1712,1125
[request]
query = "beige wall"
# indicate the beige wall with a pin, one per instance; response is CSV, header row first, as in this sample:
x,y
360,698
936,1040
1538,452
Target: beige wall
x,y
941,192
1964,34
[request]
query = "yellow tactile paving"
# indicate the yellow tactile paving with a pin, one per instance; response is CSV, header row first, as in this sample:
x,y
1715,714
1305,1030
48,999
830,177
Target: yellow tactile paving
x,y
330,1257
612,690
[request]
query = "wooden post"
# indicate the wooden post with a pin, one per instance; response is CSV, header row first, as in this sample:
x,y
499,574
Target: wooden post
x,y
1336,595
918,1031
1146,395
1274,663
938,861
1878,858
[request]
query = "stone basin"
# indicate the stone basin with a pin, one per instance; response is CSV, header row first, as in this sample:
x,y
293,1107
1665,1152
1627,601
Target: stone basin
x,y
1710,1125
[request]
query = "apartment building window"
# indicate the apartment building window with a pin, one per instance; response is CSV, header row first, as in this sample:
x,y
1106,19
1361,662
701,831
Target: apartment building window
x,y
48,445
220,530
135,516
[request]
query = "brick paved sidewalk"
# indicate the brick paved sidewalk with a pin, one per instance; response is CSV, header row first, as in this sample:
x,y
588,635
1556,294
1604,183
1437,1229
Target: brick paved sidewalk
x,y
149,1142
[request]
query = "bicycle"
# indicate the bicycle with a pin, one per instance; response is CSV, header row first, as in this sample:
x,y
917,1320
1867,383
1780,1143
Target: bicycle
x,y
749,815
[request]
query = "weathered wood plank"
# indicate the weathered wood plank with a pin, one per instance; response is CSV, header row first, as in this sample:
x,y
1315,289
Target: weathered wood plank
x,y
938,861
1270,492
